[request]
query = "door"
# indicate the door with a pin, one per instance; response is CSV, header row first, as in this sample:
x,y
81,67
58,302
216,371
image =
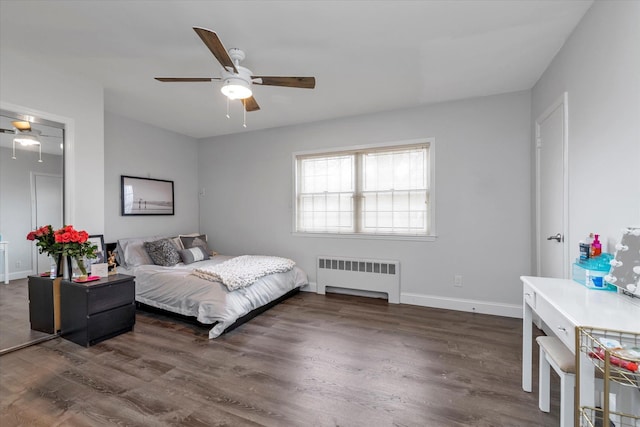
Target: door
x,y
551,191
46,209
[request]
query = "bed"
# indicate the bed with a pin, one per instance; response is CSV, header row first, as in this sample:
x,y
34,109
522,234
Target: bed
x,y
177,289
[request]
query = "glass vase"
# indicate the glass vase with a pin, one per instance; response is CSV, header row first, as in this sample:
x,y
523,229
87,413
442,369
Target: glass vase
x,y
56,266
79,270
53,271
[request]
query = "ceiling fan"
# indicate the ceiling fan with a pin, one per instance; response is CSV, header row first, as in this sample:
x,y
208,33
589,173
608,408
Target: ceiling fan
x,y
25,135
238,80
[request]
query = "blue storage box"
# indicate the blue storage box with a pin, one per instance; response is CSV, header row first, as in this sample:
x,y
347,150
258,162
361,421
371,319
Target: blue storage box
x,y
591,272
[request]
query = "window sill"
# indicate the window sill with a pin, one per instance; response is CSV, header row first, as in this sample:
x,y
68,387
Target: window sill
x,y
364,236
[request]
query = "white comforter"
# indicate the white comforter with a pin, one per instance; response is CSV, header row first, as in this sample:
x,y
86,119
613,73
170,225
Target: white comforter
x,y
177,290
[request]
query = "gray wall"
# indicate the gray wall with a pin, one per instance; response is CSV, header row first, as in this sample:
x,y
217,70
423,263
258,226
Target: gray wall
x,y
138,149
599,67
15,204
483,209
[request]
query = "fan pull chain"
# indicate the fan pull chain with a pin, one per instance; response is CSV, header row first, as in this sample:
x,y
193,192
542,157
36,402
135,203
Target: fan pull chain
x,y
14,150
228,116
244,113
40,153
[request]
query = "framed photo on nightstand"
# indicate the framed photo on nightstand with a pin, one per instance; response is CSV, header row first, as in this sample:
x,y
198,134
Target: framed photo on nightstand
x,y
98,240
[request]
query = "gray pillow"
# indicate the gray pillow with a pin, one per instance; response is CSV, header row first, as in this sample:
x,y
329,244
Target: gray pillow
x,y
162,252
189,242
197,253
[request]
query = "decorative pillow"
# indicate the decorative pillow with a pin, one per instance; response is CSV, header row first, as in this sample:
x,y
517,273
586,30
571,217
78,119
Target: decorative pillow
x,y
189,242
197,253
163,252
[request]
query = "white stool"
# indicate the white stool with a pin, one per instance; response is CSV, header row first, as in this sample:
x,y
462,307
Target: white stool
x,y
553,353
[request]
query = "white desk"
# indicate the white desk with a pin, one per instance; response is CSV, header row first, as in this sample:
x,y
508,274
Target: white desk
x,y
564,304
4,247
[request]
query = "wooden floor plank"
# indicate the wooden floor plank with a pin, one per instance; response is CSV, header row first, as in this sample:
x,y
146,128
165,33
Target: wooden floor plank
x,y
319,360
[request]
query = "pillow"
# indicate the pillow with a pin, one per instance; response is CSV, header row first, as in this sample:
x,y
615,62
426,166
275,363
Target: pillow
x,y
163,252
194,254
190,235
189,242
177,243
131,252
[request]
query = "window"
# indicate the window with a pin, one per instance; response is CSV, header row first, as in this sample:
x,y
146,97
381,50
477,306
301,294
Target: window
x,y
381,191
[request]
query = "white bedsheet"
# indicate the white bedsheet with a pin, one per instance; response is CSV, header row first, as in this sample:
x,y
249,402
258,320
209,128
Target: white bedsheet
x,y
175,289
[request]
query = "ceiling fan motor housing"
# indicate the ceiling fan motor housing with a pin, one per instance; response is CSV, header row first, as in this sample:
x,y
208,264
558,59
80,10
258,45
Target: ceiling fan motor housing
x,y
237,86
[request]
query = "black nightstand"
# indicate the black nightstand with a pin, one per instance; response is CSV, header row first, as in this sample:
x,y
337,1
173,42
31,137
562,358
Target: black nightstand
x,y
91,312
44,304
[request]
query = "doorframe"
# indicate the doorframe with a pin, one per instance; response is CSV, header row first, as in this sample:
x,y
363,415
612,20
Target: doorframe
x,y
561,102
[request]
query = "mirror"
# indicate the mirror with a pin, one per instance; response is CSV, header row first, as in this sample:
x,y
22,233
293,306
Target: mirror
x,y
31,195
625,267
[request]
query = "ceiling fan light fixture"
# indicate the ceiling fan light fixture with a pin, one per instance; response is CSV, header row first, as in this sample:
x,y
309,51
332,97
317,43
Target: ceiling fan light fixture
x,y
235,88
26,139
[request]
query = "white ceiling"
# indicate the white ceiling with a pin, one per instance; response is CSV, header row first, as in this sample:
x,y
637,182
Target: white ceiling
x,y
367,56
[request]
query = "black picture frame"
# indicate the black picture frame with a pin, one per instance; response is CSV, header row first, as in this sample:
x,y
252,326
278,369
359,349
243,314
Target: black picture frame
x,y
98,240
145,196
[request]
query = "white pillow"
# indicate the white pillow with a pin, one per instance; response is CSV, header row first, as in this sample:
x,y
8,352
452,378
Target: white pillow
x,y
177,243
132,252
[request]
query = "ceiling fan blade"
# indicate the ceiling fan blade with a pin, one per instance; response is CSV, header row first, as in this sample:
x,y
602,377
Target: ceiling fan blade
x,y
185,79
11,131
22,125
216,47
300,82
250,104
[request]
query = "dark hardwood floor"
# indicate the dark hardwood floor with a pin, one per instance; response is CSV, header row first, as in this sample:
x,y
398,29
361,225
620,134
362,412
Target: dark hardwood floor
x,y
314,360
15,329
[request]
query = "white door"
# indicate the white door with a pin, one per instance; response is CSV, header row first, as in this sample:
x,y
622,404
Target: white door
x,y
47,209
551,191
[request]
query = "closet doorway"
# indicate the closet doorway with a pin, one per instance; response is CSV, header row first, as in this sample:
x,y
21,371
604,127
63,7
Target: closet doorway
x,y
31,195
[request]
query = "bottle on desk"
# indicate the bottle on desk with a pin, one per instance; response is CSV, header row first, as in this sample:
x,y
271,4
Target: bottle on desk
x,y
596,246
585,251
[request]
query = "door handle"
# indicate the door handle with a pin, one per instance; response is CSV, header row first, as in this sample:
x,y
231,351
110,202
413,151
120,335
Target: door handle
x,y
557,237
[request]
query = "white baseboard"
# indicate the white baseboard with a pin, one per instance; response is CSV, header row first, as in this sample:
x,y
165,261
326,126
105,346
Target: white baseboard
x,y
472,306
310,287
13,275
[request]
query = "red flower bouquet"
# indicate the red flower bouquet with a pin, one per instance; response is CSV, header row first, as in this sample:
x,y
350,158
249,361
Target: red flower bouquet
x,y
46,241
75,244
65,241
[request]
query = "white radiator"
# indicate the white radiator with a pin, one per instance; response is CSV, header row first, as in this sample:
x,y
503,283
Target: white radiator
x,y
361,274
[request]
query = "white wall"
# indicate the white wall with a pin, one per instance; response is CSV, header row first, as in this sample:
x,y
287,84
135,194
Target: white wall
x,y
483,208
15,203
599,67
30,86
137,149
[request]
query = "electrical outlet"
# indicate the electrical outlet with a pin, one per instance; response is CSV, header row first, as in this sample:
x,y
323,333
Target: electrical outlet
x,y
18,264
457,280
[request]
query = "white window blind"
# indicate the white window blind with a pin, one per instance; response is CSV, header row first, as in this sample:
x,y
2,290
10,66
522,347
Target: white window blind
x,y
372,191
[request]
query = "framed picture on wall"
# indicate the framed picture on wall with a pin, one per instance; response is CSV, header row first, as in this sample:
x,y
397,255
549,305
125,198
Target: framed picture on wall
x,y
146,196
